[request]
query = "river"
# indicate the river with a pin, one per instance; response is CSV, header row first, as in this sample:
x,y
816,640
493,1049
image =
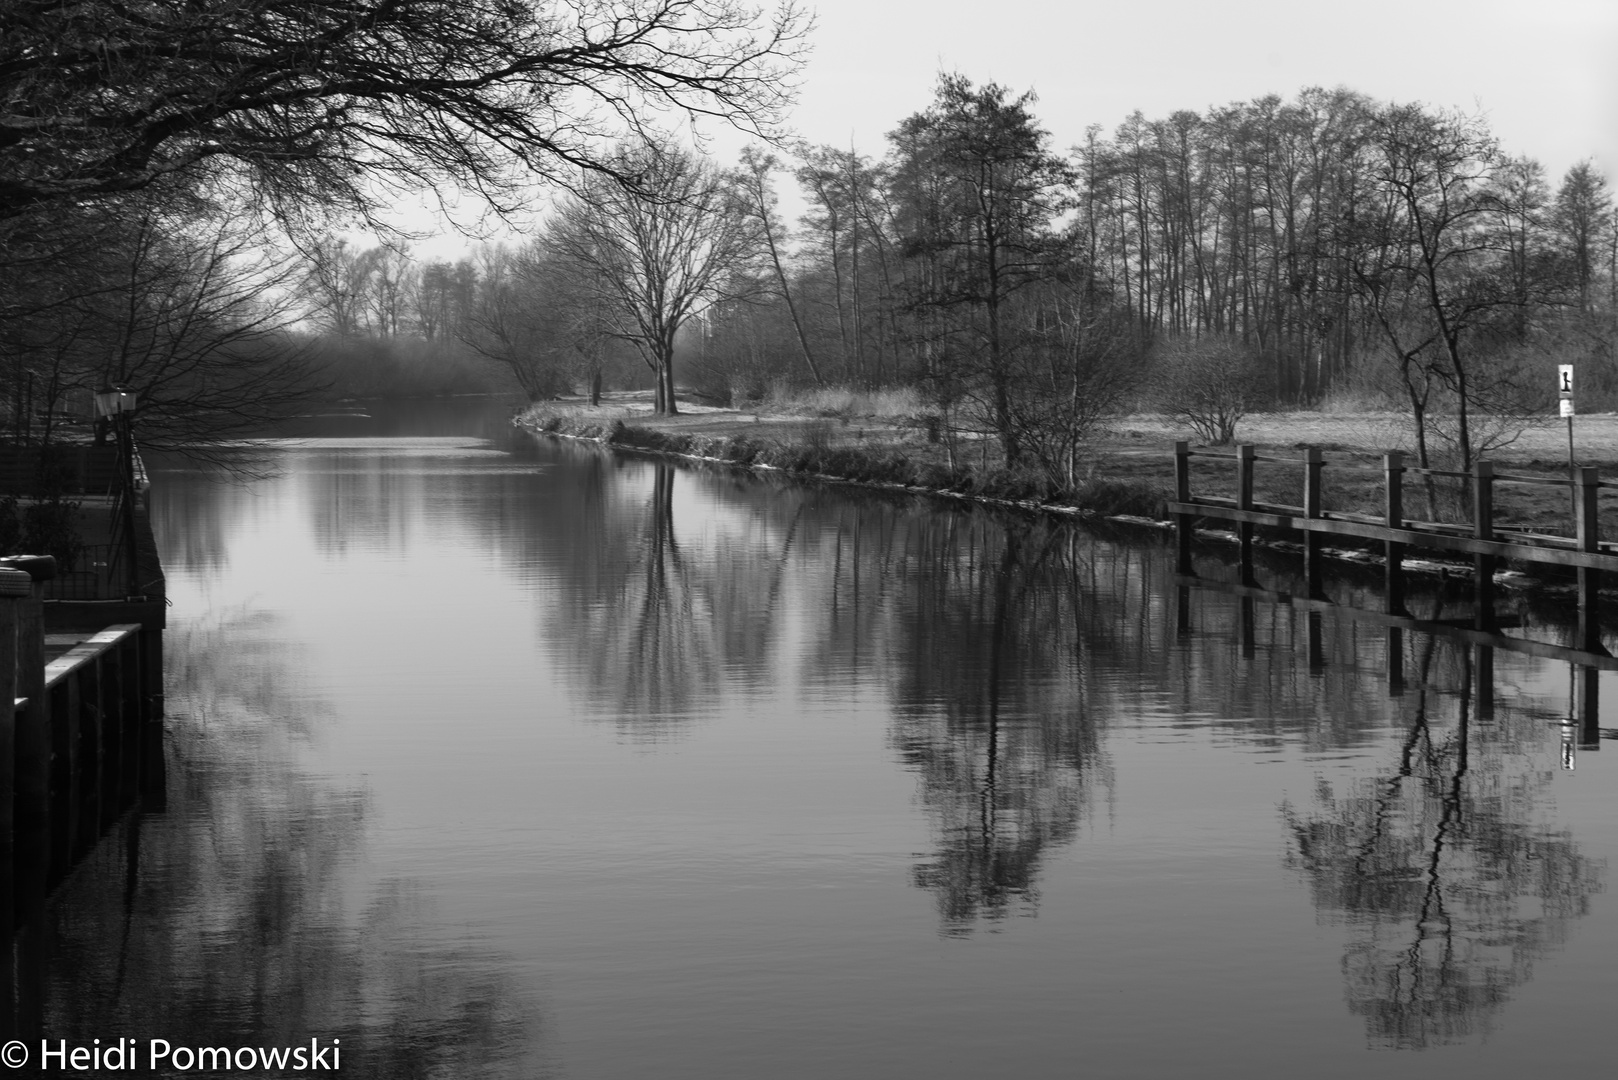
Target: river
x,y
492,756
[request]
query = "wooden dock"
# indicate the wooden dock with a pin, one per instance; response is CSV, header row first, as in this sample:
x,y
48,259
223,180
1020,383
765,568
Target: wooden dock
x,y
1398,535
80,747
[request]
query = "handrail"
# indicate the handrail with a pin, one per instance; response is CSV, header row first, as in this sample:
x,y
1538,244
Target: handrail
x,y
1480,537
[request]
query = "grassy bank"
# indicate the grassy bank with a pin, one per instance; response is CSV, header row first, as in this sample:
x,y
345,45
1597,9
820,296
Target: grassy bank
x,y
845,444
877,440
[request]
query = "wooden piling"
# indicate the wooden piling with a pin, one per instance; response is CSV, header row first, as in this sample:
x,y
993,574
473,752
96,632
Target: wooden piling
x,y
1586,491
1244,501
1483,566
1183,523
1314,464
1393,470
31,825
15,588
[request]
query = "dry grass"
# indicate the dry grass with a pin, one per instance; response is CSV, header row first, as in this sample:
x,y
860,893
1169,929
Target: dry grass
x,y
891,404
849,426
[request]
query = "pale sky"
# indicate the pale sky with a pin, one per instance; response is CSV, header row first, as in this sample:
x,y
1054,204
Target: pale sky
x,y
1544,73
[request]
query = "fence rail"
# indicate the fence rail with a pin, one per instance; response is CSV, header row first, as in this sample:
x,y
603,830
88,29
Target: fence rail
x,y
81,744
1486,541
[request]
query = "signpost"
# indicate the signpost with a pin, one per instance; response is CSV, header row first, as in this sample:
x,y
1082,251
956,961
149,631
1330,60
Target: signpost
x,y
1564,392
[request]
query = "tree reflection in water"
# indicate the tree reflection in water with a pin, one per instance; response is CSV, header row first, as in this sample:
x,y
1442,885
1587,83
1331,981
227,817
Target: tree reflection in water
x,y
994,715
1005,645
1442,868
235,918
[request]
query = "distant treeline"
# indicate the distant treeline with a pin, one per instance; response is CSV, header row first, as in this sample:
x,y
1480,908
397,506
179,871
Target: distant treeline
x,y
1277,252
1327,249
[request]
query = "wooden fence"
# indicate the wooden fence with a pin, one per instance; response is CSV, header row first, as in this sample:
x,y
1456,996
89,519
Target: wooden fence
x,y
81,744
1397,533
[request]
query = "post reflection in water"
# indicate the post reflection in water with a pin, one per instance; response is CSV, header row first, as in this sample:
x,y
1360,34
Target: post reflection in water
x,y
987,630
566,762
1443,868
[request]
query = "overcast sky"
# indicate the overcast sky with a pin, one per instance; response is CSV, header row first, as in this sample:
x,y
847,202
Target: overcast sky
x,y
1544,73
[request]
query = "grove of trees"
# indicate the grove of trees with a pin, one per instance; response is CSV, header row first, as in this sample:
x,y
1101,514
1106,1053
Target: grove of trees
x,y
163,163
176,179
1266,253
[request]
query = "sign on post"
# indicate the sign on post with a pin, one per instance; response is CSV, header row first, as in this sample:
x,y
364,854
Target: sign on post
x,y
1564,391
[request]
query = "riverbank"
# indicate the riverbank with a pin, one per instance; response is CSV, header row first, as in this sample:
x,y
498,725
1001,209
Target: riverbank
x,y
851,447
1127,468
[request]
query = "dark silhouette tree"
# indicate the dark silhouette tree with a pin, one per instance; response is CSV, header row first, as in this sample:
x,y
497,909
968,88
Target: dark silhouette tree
x,y
977,191
314,102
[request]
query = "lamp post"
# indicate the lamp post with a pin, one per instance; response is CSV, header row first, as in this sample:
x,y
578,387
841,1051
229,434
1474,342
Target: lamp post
x,y
117,403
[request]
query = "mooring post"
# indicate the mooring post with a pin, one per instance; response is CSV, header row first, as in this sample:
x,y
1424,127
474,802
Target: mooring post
x,y
1483,529
1393,469
1244,501
15,588
1182,494
31,825
1589,539
1314,463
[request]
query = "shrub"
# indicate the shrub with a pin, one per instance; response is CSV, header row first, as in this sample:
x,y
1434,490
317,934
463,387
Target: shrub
x,y
1209,384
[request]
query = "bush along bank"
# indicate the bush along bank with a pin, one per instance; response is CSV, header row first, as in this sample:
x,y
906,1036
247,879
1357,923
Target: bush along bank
x,y
872,465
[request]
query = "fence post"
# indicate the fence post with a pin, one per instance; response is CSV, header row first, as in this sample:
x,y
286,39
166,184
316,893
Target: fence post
x,y
15,588
1244,501
1589,539
1314,463
1393,469
31,828
1182,494
1483,529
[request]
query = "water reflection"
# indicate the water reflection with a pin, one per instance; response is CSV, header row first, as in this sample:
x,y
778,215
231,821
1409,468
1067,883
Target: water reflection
x,y
1442,867
970,622
233,918
706,763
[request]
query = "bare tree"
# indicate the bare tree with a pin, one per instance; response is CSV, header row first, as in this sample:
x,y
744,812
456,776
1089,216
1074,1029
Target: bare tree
x,y
1427,255
655,251
755,182
190,309
512,323
312,102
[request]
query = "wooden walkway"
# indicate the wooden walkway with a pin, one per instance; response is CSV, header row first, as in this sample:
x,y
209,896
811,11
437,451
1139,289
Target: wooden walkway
x,y
1397,534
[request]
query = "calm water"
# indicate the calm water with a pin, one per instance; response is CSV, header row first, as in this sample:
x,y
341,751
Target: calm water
x,y
497,757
